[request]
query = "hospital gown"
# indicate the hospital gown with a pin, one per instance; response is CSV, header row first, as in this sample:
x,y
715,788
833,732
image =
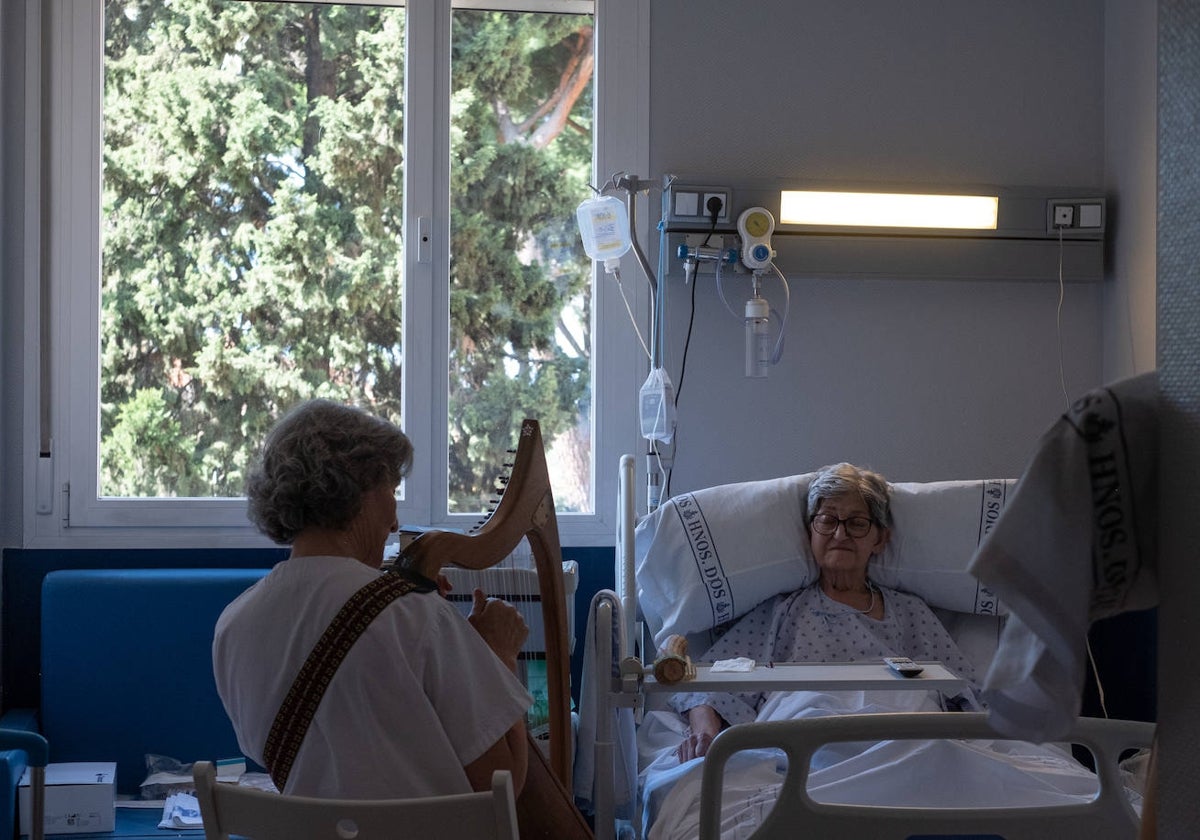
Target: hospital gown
x,y
809,626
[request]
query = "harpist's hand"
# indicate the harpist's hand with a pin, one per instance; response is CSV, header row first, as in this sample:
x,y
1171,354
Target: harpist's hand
x,y
703,725
444,586
501,625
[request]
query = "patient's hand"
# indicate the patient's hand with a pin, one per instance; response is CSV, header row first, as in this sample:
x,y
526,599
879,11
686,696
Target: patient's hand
x,y
703,725
501,625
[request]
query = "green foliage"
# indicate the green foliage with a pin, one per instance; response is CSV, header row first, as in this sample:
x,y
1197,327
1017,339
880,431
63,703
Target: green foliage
x,y
506,363
253,242
149,450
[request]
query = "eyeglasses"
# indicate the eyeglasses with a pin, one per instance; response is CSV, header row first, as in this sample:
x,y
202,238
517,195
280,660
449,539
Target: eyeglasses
x,y
827,525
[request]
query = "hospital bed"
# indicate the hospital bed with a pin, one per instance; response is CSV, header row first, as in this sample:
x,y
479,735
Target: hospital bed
x,y
708,557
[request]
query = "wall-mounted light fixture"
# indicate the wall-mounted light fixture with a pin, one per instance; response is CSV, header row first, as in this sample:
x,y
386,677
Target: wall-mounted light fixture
x,y
888,210
899,231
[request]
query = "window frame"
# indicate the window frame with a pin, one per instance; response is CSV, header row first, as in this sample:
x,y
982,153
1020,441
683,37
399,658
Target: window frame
x,y
59,513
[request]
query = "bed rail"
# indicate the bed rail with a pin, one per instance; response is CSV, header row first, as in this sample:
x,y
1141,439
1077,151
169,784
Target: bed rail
x,y
626,524
1107,816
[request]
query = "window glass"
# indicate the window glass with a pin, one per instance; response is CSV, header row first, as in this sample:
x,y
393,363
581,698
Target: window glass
x,y
252,238
520,284
251,230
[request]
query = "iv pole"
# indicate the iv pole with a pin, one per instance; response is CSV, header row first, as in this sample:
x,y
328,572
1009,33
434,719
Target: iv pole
x,y
632,185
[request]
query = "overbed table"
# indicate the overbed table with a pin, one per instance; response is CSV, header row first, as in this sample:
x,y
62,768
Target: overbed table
x,y
810,676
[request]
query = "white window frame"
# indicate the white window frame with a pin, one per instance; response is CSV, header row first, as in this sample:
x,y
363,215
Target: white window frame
x,y
60,512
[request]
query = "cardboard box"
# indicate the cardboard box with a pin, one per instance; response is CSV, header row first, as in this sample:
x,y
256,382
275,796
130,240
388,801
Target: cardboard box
x,y
79,798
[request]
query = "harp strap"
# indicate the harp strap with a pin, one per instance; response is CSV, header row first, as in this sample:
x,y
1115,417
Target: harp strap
x,y
300,705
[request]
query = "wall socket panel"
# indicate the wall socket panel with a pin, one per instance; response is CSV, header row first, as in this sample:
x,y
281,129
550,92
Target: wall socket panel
x,y
1076,217
688,204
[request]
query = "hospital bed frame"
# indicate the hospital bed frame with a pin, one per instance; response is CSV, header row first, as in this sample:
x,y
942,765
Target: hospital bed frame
x,y
1108,815
625,684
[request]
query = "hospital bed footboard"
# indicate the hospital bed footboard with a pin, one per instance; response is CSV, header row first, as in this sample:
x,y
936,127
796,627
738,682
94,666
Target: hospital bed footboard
x,y
1109,816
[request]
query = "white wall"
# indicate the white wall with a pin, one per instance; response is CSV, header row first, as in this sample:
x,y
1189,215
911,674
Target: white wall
x,y
1131,148
921,379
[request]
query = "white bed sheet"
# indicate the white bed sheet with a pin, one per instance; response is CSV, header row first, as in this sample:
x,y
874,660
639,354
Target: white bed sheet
x,y
896,773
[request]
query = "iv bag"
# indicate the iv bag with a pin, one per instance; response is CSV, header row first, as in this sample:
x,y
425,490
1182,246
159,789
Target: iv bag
x,y
604,227
657,407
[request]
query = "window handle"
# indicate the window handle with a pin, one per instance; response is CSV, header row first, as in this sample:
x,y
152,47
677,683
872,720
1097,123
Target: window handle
x,y
424,249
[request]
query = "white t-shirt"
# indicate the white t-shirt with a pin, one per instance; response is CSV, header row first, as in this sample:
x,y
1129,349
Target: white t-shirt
x,y
418,696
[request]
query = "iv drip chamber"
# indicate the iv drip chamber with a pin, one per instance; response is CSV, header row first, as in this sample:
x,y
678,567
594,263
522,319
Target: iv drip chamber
x,y
758,342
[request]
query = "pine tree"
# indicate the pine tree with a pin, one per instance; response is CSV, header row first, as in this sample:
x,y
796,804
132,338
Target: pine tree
x,y
252,231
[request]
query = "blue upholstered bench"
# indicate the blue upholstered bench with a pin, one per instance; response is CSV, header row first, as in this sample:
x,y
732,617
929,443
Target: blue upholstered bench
x,y
126,661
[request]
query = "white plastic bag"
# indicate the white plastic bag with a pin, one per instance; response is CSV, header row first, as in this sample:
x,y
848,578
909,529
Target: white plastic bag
x,y
657,407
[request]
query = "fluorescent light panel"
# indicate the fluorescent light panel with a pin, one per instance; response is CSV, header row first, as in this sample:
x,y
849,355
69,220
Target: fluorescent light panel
x,y
900,210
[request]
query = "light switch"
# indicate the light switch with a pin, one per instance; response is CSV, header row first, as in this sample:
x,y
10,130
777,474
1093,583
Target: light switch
x,y
1091,216
687,204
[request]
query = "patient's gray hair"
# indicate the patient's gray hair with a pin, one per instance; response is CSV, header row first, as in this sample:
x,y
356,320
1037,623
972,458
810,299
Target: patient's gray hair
x,y
315,465
846,479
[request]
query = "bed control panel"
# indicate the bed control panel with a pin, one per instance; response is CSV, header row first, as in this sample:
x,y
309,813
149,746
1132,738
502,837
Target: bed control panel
x,y
903,666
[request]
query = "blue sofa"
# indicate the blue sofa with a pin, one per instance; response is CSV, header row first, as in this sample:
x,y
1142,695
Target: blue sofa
x,y
126,671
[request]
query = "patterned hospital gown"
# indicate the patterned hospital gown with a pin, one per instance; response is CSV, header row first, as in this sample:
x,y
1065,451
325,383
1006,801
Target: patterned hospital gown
x,y
809,626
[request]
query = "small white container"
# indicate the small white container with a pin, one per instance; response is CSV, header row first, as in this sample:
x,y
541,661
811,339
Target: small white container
x,y
604,228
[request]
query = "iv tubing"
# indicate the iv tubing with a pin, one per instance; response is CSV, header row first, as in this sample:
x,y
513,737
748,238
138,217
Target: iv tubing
x,y
787,306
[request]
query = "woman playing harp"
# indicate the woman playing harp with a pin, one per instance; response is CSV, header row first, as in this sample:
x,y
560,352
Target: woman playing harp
x,y
347,682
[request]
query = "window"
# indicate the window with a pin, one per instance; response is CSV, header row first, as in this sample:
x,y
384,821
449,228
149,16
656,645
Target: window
x,y
372,203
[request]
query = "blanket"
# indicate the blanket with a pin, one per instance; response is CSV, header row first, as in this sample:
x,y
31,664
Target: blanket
x,y
893,773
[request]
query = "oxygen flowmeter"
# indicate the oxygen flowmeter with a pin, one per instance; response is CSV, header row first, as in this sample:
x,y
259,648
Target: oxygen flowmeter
x,y
755,225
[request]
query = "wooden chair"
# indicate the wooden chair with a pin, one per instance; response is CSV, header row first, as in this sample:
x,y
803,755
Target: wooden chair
x,y
228,809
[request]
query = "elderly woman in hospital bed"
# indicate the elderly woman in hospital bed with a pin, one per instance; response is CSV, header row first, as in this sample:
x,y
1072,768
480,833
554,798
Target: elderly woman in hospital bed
x,y
843,616
844,611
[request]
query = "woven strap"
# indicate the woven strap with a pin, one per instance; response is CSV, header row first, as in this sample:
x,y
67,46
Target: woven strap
x,y
300,705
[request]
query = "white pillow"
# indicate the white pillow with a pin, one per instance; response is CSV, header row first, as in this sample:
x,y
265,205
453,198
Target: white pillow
x,y
706,557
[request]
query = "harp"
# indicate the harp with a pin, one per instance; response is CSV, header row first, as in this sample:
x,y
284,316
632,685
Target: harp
x,y
525,510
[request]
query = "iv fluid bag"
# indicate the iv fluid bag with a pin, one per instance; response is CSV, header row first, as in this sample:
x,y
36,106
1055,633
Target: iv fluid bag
x,y
604,227
656,406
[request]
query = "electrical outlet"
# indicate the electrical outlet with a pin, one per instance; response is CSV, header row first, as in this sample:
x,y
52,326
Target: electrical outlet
x,y
718,202
1075,217
689,205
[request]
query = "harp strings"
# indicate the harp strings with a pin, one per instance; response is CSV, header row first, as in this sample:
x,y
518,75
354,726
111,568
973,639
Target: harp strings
x,y
515,579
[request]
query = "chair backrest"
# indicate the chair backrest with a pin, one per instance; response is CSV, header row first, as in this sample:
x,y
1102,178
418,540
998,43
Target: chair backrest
x,y
229,809
1109,815
127,665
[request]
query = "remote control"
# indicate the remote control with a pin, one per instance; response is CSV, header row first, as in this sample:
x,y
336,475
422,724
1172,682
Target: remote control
x,y
903,666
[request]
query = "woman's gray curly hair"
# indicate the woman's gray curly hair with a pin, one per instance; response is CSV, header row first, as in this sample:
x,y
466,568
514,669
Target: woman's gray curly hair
x,y
842,479
315,465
